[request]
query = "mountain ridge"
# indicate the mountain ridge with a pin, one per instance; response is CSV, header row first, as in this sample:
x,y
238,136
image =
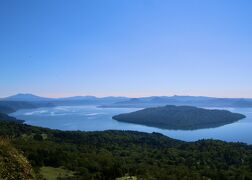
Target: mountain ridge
x,y
141,102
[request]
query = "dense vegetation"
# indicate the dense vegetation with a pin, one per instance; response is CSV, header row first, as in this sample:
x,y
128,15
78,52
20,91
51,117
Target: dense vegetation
x,y
111,154
180,117
13,165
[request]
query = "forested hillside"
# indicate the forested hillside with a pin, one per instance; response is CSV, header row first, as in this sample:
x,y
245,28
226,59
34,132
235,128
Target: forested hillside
x,y
111,154
180,117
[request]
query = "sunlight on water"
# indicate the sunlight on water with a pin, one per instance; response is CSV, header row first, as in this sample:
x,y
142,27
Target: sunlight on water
x,y
91,118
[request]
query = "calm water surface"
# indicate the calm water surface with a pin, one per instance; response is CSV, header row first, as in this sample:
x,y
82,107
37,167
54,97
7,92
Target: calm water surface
x,y
91,118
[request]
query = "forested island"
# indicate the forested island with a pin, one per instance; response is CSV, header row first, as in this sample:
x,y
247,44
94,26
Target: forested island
x,y
180,117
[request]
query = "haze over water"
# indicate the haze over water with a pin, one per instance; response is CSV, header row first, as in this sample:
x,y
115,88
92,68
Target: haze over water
x,y
91,118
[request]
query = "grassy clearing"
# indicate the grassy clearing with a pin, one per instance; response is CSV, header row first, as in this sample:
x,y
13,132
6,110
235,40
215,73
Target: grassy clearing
x,y
127,178
51,173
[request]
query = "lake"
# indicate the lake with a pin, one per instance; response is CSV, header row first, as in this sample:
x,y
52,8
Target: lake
x,y
91,118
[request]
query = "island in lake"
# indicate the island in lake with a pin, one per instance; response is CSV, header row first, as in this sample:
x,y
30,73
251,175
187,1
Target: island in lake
x,y
180,117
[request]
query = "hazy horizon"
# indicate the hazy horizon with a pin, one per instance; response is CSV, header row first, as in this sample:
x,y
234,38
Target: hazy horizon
x,y
126,48
45,96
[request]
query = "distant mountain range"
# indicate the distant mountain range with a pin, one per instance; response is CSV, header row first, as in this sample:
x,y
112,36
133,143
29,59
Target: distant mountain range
x,y
199,101
75,100
143,102
25,97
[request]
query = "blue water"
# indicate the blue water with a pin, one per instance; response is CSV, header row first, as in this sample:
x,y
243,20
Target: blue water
x,y
91,118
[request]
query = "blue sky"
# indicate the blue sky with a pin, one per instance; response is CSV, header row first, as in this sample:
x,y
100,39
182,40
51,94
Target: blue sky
x,y
126,47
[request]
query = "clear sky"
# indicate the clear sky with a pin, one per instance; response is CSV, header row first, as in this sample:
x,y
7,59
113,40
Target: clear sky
x,y
133,48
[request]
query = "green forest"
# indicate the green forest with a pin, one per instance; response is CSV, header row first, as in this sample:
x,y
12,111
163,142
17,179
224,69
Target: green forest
x,y
180,117
112,154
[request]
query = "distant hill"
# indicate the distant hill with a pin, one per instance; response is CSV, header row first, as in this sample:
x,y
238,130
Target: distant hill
x,y
143,102
87,100
25,97
75,100
28,101
9,118
180,117
198,101
12,106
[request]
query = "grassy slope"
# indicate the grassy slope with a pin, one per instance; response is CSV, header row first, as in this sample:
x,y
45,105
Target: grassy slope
x,y
51,173
13,165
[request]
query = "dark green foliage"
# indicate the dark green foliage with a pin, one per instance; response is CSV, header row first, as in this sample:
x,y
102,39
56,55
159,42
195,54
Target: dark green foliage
x,y
180,117
111,154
